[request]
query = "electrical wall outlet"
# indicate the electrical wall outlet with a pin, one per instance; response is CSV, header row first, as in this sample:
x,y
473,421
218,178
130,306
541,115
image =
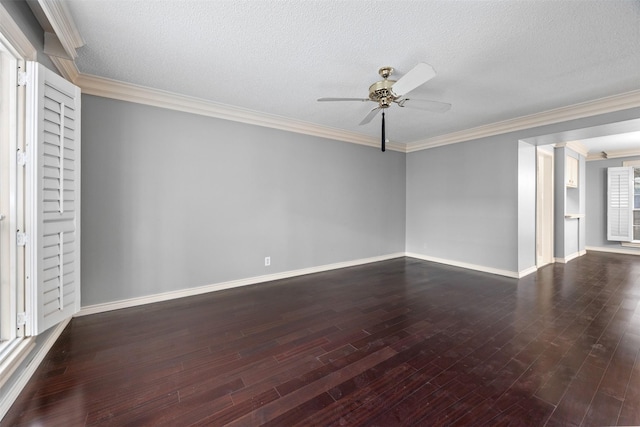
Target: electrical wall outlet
x,y
267,261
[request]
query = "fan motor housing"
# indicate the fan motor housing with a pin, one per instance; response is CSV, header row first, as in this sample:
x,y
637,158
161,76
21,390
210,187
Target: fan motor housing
x,y
381,93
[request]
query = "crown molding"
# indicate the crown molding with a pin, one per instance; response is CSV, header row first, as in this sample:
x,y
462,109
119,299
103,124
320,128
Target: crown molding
x,y
108,88
597,156
609,104
576,146
66,67
623,153
10,31
603,155
63,25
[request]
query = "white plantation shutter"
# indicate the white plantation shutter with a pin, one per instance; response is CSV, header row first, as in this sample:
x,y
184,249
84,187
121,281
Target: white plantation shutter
x,y
620,204
53,198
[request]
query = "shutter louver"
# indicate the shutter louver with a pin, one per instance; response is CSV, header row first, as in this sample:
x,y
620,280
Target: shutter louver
x,y
55,244
620,204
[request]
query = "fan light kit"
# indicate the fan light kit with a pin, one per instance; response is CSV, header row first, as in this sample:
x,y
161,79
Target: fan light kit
x,y
386,92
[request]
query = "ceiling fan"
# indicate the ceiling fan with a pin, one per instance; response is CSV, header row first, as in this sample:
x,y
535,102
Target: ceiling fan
x,y
385,92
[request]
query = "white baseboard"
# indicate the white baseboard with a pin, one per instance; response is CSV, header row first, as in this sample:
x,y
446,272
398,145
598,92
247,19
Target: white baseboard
x,y
527,272
507,273
571,257
614,250
9,396
165,296
132,302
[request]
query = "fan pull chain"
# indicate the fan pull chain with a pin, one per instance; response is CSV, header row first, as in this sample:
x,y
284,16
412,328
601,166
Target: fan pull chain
x,y
383,138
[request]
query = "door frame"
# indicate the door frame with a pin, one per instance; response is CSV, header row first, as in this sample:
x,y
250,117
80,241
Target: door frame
x,y
544,207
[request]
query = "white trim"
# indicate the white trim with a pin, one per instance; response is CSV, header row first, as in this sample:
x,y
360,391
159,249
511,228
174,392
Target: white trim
x,y
597,156
614,154
482,268
570,257
132,302
623,153
613,250
62,23
99,86
549,153
527,271
609,104
9,396
166,296
11,32
578,147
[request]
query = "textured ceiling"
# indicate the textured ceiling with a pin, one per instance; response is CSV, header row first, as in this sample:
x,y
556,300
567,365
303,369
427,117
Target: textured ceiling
x,y
495,60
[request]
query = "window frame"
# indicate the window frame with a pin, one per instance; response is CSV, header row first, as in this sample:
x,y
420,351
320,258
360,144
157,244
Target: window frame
x,y
17,50
12,140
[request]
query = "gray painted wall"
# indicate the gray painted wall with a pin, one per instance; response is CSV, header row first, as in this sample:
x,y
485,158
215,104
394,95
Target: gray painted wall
x,y
596,203
462,202
173,200
462,199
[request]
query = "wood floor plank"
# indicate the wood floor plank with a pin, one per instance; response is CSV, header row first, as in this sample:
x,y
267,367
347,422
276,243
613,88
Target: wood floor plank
x,y
312,390
575,402
603,411
399,342
630,411
616,377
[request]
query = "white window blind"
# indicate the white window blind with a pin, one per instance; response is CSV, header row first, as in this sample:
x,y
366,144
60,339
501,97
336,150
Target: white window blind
x,y
620,204
53,198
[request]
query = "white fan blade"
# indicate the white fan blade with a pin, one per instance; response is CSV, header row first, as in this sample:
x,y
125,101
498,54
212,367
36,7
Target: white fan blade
x,y
370,116
343,99
418,75
425,104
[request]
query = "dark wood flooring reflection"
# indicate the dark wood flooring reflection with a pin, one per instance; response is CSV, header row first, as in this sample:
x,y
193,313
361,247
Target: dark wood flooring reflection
x,y
400,342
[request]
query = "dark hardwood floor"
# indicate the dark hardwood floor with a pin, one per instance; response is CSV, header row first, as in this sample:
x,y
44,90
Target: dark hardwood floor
x,y
400,342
